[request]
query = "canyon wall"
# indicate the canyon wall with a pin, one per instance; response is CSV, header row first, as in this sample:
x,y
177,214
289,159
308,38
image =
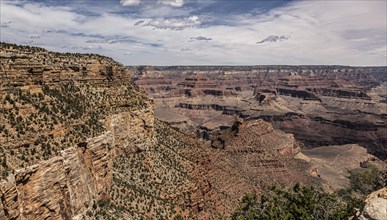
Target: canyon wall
x,y
80,140
320,105
65,117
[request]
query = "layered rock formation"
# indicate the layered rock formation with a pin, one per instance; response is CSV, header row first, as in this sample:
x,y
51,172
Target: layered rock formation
x,y
65,117
79,140
250,156
320,105
62,187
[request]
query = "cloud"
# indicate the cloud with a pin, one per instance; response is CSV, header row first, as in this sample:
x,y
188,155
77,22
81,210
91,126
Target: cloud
x,y
174,3
89,47
201,38
5,24
322,32
28,42
30,17
174,23
106,41
139,23
34,36
273,38
127,53
130,2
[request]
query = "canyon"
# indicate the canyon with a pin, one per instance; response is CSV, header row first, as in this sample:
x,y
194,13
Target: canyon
x,y
319,105
80,138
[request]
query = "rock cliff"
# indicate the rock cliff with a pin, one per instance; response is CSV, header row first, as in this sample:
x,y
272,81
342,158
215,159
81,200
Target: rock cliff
x,y
65,118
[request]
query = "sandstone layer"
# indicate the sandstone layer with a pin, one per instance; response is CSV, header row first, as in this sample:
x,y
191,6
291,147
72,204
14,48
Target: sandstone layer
x,y
65,117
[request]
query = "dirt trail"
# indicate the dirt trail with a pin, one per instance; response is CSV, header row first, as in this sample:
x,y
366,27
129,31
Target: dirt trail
x,y
337,156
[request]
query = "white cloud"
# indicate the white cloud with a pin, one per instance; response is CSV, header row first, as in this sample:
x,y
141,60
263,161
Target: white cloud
x,y
322,32
34,36
5,24
174,3
130,2
201,38
173,23
273,38
33,17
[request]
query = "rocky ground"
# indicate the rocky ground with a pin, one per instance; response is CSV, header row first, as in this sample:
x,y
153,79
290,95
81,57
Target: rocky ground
x,y
332,163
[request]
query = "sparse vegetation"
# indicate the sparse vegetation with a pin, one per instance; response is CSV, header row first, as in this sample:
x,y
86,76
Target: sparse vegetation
x,y
43,114
368,179
153,182
299,202
49,115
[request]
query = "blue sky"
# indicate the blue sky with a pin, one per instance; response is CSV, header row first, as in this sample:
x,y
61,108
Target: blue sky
x,y
204,32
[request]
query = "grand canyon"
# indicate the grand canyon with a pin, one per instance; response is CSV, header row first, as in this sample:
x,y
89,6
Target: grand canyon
x,y
319,105
84,137
193,110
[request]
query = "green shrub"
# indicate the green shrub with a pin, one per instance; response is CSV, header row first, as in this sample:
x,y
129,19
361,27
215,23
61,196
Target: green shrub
x,y
367,180
178,217
300,202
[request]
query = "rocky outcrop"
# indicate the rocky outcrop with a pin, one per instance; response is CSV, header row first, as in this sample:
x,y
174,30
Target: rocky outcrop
x,y
305,95
341,93
133,131
375,206
26,66
66,186
9,197
228,110
248,156
66,118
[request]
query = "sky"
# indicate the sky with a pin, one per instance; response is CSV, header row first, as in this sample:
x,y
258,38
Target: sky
x,y
204,32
